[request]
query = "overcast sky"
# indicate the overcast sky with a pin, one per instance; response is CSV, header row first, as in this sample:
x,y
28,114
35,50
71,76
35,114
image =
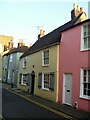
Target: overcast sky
x,y
23,18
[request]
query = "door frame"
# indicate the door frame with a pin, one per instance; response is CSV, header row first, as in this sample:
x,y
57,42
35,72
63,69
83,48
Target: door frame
x,y
63,93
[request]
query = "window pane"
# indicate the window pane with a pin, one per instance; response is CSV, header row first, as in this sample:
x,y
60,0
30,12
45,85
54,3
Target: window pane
x,y
89,79
85,86
84,78
47,54
89,72
88,29
88,85
85,42
84,91
84,31
89,42
85,72
88,92
46,61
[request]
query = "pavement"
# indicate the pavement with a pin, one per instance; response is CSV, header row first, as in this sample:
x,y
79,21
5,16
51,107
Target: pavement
x,y
64,109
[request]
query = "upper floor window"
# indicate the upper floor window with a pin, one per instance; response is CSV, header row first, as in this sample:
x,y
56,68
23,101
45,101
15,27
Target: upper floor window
x,y
85,83
85,45
24,62
46,58
11,57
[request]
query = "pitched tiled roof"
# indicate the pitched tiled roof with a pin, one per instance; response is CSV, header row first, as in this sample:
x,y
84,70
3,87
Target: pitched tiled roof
x,y
50,39
20,49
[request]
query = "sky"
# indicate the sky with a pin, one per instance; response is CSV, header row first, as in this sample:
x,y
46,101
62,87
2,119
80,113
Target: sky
x,y
22,19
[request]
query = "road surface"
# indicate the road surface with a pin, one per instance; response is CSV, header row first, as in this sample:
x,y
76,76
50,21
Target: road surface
x,y
14,106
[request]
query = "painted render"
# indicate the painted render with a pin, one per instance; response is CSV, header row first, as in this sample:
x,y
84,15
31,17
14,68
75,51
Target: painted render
x,y
72,59
36,60
4,68
13,66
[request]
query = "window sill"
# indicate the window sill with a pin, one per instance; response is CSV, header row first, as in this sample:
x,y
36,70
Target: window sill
x,y
85,97
45,65
23,84
83,50
46,89
24,67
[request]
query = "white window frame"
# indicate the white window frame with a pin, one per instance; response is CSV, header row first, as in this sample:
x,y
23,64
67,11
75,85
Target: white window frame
x,y
81,84
24,62
11,57
9,74
22,78
43,64
82,37
44,88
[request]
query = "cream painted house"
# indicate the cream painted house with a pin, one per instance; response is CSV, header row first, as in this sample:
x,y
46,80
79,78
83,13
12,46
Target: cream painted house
x,y
38,70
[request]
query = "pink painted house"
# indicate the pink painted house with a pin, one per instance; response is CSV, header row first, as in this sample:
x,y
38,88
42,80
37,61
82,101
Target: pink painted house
x,y
74,68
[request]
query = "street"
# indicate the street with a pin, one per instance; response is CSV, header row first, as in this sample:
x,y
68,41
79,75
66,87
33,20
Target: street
x,y
13,106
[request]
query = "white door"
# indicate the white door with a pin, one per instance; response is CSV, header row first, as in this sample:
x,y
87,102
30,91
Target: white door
x,y
67,89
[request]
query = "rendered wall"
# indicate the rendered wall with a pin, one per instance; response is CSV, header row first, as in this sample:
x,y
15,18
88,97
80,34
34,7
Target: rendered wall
x,y
36,60
72,59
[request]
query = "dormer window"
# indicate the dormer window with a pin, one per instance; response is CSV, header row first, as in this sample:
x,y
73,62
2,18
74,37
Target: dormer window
x,y
24,62
85,41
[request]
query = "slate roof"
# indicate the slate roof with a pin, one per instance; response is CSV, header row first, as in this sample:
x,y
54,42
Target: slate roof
x,y
53,38
20,49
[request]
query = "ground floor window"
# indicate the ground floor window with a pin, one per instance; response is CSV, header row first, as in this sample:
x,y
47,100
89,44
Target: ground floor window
x,y
85,83
46,81
24,79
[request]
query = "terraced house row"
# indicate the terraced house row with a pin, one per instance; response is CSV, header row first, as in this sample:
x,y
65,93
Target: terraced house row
x,y
57,66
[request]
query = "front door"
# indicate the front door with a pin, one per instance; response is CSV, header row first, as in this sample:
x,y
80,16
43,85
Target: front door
x,y
67,89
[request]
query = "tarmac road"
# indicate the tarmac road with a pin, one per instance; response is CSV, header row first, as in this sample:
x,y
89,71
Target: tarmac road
x,y
13,106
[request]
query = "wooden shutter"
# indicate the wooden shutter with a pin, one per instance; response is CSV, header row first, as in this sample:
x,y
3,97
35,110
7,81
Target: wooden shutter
x,y
52,78
20,78
39,80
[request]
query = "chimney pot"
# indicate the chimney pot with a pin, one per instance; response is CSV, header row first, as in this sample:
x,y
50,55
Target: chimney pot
x,y
78,8
74,6
81,10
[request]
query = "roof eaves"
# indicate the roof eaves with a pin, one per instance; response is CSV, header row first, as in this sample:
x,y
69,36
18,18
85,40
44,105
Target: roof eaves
x,y
39,49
